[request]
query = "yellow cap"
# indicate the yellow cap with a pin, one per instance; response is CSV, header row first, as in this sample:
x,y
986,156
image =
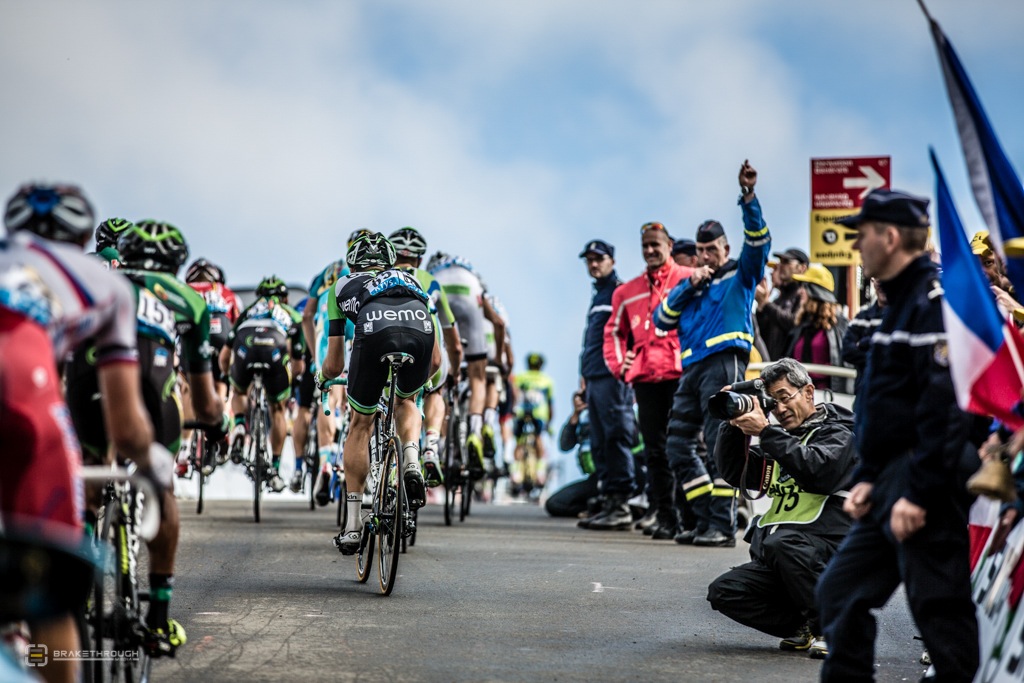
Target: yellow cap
x,y
821,283
980,243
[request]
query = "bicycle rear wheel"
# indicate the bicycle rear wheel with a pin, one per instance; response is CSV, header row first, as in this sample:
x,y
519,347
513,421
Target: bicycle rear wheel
x,y
364,561
256,446
468,485
312,458
199,455
390,492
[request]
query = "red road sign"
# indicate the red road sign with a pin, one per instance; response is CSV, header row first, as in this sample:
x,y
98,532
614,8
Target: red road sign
x,y
843,183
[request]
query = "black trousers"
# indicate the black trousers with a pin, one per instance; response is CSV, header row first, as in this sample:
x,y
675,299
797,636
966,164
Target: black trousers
x,y
934,568
774,593
654,402
612,434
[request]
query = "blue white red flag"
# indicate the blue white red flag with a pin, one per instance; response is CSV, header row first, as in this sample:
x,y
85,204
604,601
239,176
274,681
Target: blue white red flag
x,y
997,189
984,348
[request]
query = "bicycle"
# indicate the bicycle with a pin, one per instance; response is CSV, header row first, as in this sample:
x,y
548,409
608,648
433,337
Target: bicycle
x,y
258,419
458,487
202,457
389,518
311,458
529,465
113,614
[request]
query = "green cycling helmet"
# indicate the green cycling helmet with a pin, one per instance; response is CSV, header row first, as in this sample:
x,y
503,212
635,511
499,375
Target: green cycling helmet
x,y
371,252
272,286
153,245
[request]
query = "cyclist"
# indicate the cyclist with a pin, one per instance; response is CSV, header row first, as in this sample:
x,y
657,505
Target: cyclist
x,y
52,297
465,291
313,323
268,331
389,309
208,279
106,235
409,249
498,370
168,312
535,393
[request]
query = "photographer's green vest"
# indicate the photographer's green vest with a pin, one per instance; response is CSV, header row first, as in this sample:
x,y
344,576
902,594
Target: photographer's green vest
x,y
790,503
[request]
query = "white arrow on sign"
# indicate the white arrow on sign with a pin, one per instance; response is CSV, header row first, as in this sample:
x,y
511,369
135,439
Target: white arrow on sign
x,y
872,180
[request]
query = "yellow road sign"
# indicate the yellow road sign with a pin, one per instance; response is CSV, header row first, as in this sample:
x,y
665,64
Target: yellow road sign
x,y
831,244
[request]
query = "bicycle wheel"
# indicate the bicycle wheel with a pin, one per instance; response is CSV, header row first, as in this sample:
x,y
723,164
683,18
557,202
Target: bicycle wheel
x,y
255,447
468,486
389,510
312,458
101,603
137,663
199,454
340,495
452,466
364,560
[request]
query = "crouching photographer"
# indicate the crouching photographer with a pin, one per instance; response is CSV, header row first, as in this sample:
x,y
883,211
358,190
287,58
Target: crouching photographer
x,y
801,465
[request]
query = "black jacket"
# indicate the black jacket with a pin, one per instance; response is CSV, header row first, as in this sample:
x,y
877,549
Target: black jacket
x,y
857,340
822,465
908,405
835,351
592,357
776,319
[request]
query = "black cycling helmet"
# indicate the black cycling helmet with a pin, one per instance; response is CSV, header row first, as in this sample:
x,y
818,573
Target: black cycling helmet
x,y
202,270
356,234
371,252
153,245
55,212
534,361
270,286
109,231
408,242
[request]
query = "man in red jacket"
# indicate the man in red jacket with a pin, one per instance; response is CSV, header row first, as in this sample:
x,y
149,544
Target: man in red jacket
x,y
648,358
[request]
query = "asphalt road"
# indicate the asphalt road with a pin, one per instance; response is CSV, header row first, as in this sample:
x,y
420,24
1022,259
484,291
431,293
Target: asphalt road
x,y
509,595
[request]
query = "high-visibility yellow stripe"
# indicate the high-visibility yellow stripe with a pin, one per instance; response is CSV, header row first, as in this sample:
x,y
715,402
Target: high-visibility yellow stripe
x,y
669,311
729,336
685,354
700,491
724,492
762,231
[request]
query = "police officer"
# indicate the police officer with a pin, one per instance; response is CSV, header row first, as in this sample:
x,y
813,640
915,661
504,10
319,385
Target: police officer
x,y
609,399
907,495
803,464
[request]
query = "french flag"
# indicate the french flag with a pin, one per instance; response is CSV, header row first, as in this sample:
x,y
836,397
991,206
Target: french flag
x,y
997,189
984,349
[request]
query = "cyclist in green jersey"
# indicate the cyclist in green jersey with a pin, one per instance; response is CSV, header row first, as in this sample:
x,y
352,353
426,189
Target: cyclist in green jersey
x,y
167,311
106,236
268,332
409,249
535,393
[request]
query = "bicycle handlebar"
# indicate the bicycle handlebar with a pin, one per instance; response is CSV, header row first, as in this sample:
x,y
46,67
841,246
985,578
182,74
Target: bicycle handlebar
x,y
149,524
324,395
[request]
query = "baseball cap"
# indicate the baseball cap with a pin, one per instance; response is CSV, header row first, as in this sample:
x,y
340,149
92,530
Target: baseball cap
x,y
598,247
684,246
792,254
891,206
980,243
819,281
709,231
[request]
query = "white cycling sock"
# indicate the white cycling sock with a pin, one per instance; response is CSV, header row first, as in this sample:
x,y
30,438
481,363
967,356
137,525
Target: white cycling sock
x,y
411,454
490,417
476,423
354,502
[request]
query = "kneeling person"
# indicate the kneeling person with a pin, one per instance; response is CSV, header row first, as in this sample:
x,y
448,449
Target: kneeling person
x,y
389,309
807,460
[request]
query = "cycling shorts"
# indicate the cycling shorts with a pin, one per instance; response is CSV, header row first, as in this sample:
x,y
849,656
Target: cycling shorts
x,y
40,488
265,346
159,394
305,387
367,375
519,427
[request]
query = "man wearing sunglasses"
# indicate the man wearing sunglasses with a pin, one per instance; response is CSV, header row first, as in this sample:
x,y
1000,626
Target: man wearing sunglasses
x,y
712,313
803,464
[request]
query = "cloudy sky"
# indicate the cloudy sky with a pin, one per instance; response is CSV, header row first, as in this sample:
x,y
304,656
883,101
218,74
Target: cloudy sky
x,y
507,132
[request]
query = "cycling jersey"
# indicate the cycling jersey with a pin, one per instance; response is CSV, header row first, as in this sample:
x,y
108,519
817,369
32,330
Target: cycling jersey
x,y
320,291
224,309
441,314
536,391
70,294
275,314
268,332
489,339
390,313
465,291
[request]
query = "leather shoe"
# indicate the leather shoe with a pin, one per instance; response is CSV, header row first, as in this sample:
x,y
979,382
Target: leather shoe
x,y
713,538
686,536
663,532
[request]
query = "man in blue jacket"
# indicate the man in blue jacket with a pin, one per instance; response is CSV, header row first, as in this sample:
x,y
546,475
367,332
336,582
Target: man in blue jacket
x,y
610,400
712,312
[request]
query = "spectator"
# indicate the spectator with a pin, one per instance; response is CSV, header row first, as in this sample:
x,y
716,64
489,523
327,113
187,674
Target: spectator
x,y
776,318
648,359
572,499
907,497
613,430
684,252
806,461
711,311
857,340
994,269
820,328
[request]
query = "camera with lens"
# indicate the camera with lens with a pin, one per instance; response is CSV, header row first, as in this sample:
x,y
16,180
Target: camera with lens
x,y
726,405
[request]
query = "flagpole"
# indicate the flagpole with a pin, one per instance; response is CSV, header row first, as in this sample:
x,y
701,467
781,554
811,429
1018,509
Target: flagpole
x,y
925,10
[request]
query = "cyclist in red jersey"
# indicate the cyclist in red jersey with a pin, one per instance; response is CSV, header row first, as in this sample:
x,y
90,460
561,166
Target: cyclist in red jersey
x,y
53,296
